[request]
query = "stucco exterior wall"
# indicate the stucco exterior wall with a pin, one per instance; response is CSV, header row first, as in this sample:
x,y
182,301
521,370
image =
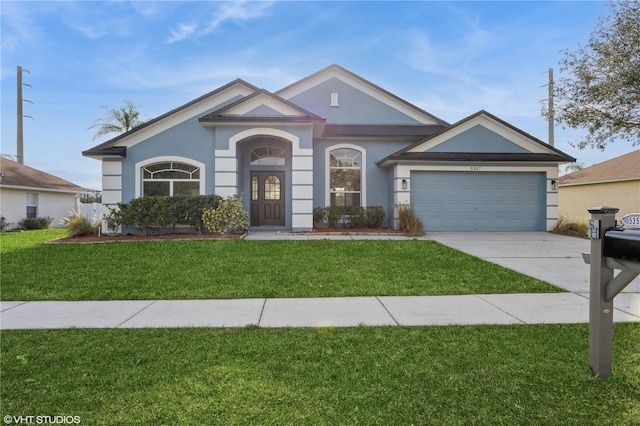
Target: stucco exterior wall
x,y
575,200
13,205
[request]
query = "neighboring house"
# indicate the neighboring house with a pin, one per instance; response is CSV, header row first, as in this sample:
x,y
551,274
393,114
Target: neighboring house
x,y
612,183
29,193
334,138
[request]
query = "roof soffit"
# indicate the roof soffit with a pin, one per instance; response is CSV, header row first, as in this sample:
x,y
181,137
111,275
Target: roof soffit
x,y
357,82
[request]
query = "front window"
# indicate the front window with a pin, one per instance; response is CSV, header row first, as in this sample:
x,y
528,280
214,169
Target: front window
x,y
170,178
345,172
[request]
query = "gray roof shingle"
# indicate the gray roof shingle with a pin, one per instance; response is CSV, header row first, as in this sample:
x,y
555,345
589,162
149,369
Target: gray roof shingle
x,y
21,176
624,167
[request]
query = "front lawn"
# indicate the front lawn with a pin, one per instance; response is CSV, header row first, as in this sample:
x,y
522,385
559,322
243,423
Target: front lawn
x,y
212,269
485,375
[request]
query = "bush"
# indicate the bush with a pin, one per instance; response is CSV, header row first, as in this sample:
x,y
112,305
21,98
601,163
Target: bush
x,y
35,223
228,217
374,217
4,225
318,215
139,213
356,217
408,222
194,207
113,220
164,212
334,214
78,226
571,228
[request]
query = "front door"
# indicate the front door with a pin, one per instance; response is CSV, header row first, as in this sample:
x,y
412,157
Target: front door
x,y
267,198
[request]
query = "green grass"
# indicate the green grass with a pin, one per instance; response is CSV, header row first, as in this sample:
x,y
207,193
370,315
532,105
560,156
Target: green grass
x,y
244,269
486,375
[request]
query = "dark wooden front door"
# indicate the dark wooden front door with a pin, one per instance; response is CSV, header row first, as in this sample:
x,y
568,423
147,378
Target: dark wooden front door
x,y
267,198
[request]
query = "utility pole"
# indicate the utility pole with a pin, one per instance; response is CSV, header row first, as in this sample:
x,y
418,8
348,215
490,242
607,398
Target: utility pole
x,y
551,117
20,116
20,142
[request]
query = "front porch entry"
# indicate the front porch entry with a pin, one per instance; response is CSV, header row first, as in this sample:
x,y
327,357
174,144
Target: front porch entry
x,y
267,198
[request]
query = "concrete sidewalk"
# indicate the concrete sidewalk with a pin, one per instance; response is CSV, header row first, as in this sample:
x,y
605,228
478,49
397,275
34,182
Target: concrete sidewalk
x,y
556,308
552,258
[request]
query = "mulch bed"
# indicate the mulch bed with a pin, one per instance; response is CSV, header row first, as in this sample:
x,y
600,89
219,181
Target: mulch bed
x,y
94,239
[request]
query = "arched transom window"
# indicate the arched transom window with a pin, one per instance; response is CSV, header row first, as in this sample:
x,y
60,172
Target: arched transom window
x,y
268,156
345,177
170,178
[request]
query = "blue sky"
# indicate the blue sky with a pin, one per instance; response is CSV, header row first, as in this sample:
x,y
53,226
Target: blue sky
x,y
448,58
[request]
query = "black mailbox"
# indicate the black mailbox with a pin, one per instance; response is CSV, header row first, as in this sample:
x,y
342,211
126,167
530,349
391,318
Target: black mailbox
x,y
622,244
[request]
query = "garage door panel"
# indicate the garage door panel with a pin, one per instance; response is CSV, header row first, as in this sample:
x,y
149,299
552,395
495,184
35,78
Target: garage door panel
x,y
479,201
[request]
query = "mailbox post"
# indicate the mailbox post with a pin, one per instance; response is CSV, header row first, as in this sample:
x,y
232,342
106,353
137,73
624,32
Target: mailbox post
x,y
604,286
600,310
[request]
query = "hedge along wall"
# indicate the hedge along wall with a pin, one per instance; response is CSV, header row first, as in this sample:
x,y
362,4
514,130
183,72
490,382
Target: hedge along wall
x,y
161,213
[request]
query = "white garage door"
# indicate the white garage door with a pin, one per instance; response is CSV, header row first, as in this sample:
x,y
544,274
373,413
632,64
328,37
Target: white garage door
x,y
479,201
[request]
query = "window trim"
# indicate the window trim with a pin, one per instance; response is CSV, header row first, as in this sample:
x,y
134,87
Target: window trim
x,y
35,205
327,172
166,159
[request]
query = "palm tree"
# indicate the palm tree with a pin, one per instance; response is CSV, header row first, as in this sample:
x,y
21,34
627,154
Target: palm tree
x,y
119,120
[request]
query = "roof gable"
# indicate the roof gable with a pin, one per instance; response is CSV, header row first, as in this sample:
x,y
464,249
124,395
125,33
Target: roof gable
x,y
480,137
358,100
259,105
482,132
18,175
624,167
215,99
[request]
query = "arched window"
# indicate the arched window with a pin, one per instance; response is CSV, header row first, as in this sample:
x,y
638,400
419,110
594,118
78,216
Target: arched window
x,y
345,177
170,178
268,156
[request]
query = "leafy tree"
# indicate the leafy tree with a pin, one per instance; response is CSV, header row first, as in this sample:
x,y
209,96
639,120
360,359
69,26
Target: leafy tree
x,y
118,120
573,167
602,91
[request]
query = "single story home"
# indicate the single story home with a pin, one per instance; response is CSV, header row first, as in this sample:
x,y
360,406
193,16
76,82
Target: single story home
x,y
612,183
29,193
336,139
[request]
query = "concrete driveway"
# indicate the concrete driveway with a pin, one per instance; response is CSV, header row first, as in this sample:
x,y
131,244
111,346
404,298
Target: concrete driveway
x,y
553,258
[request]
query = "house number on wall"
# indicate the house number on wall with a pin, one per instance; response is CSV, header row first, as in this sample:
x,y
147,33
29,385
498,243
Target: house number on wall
x,y
475,168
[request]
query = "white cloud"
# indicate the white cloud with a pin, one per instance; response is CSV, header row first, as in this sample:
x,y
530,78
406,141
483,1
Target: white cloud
x,y
183,31
18,26
238,11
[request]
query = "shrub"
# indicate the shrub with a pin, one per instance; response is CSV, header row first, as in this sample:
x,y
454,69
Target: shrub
x,y
139,213
4,225
334,214
571,228
356,217
318,215
35,223
77,225
228,217
113,220
194,207
374,217
408,222
164,212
